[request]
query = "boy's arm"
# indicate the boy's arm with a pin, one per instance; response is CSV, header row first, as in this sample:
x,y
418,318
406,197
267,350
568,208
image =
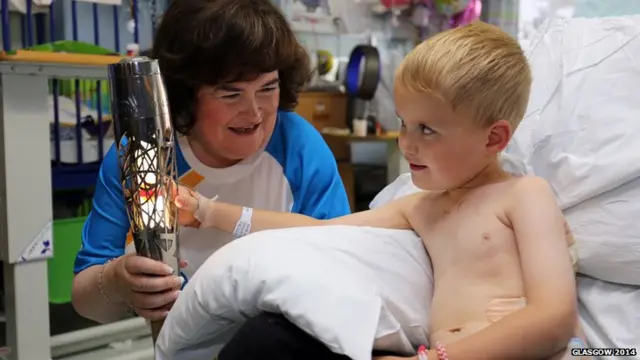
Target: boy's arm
x,y
545,326
225,216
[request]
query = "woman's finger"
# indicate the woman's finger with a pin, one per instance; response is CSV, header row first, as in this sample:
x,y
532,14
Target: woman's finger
x,y
138,265
146,301
154,284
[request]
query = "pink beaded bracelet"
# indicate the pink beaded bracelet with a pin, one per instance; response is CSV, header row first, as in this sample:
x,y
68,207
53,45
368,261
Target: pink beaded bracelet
x,y
422,353
441,351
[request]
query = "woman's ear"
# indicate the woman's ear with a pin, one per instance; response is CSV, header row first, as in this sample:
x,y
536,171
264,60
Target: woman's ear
x,y
499,136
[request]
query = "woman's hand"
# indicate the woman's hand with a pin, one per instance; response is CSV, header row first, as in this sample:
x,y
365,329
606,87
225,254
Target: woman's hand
x,y
148,286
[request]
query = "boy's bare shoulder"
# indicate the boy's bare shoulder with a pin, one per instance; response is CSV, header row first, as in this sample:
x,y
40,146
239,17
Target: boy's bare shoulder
x,y
530,184
517,191
529,192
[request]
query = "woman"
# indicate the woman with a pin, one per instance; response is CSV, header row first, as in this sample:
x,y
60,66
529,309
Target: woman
x,y
233,70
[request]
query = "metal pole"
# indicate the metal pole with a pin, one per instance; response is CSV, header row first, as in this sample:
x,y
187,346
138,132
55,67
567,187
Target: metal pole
x,y
25,213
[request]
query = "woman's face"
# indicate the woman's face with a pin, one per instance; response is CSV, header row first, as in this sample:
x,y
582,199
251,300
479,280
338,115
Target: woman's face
x,y
234,120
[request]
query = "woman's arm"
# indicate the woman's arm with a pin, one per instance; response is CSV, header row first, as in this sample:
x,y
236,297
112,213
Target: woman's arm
x,y
89,302
223,216
545,326
103,238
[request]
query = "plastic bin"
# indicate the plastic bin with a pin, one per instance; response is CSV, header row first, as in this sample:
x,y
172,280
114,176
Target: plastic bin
x,y
67,235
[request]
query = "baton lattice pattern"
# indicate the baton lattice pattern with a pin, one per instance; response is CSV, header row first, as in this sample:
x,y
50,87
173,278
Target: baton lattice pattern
x,y
148,170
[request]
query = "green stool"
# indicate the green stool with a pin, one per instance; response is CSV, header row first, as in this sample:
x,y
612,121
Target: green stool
x,y
67,240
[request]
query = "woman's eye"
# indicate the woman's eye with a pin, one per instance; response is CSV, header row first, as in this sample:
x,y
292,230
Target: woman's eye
x,y
230,96
268,90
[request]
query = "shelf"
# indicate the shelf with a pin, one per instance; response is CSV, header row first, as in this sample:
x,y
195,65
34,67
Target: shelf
x,y
54,70
389,136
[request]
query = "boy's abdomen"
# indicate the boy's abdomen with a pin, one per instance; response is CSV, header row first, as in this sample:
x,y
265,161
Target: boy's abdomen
x,y
457,314
478,277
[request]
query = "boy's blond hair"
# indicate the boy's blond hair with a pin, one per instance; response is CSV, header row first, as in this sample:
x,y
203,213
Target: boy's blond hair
x,y
477,67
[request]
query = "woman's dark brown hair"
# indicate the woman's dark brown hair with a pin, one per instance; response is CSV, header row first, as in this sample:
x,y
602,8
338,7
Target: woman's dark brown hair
x,y
212,42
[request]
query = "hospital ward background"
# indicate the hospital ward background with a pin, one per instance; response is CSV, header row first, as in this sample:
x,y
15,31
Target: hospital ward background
x,y
580,133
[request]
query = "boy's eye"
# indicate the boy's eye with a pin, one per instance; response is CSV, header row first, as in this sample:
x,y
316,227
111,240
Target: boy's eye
x,y
426,130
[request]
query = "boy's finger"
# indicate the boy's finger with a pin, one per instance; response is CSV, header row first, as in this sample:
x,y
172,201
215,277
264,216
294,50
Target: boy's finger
x,y
175,189
187,202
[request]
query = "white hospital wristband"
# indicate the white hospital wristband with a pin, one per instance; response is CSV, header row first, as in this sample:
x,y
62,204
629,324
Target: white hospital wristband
x,y
243,226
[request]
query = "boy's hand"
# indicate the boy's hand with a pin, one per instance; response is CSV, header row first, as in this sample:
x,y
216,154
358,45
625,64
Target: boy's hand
x,y
187,202
194,210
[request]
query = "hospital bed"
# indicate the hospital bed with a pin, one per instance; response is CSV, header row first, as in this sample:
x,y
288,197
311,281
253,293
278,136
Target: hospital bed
x,y
580,133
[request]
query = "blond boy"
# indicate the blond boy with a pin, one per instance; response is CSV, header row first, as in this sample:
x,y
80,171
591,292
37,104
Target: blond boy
x,y
504,283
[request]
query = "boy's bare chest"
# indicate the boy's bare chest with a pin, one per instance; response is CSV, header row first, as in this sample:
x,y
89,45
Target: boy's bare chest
x,y
470,233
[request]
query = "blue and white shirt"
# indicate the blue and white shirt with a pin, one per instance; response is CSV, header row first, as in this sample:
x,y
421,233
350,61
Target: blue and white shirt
x,y
296,173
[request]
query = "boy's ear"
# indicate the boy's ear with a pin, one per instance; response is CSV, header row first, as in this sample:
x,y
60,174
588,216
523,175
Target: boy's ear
x,y
499,136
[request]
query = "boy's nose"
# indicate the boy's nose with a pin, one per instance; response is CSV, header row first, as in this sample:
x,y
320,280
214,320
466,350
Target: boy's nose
x,y
407,146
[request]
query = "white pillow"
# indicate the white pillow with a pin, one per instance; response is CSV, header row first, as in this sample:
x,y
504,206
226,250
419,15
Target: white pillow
x,y
609,313
401,186
581,134
582,125
607,233
352,288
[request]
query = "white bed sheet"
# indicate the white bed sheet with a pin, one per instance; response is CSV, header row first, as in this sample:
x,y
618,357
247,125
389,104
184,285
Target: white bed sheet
x,y
68,147
609,313
90,150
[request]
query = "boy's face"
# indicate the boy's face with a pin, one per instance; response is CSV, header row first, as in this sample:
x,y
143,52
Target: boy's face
x,y
445,149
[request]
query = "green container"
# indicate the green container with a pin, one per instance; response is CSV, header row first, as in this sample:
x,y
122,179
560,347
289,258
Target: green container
x,y
67,240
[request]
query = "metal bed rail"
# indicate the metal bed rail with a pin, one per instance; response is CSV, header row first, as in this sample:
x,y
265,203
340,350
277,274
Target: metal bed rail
x,y
74,166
